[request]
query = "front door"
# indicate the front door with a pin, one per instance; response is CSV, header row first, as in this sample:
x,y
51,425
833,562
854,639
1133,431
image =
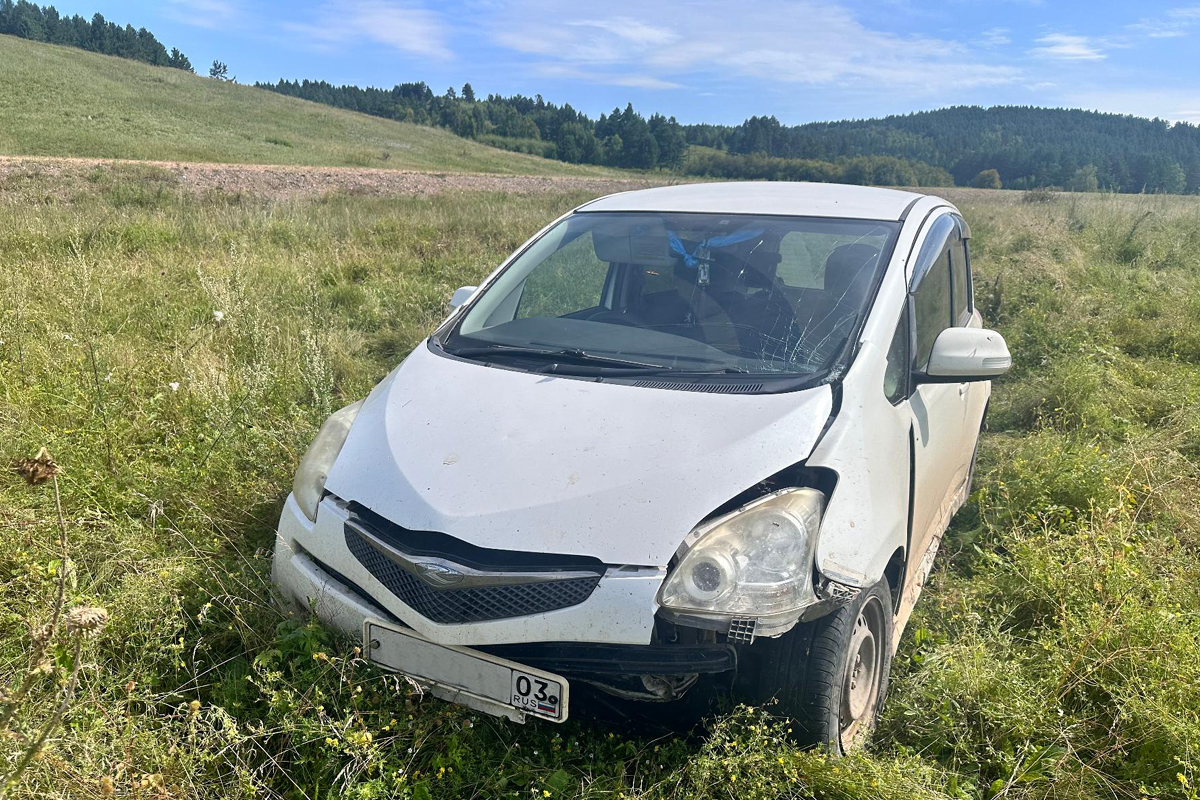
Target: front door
x,y
939,411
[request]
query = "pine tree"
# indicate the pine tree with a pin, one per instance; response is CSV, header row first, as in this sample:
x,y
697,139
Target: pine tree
x,y
44,24
179,61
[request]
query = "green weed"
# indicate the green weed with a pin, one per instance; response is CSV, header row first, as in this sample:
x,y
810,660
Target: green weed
x,y
176,354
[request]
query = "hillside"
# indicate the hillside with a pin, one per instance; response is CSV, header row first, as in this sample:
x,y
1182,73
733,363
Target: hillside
x,y
60,101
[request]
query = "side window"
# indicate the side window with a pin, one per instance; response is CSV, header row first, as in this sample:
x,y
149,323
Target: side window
x,y
895,375
570,280
931,297
960,279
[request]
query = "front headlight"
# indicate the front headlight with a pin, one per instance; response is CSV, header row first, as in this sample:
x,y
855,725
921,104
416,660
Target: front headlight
x,y
314,468
753,562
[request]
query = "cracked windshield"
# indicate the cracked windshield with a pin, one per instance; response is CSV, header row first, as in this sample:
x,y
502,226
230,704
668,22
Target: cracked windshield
x,y
704,293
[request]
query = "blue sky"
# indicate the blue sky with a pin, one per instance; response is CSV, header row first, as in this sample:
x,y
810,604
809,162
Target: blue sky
x,y
711,60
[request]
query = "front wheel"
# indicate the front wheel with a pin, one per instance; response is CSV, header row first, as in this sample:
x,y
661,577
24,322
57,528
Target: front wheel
x,y
830,676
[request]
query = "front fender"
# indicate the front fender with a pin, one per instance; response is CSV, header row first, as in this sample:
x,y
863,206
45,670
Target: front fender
x,y
867,445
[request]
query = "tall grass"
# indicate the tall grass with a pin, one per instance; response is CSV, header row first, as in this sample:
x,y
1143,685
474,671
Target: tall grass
x,y
1054,653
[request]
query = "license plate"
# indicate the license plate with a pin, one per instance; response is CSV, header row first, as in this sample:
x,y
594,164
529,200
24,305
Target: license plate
x,y
468,677
538,694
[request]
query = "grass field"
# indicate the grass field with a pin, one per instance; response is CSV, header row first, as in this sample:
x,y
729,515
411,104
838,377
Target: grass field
x,y
1054,655
60,101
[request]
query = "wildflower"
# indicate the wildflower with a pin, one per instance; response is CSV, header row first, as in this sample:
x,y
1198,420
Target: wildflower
x,y
218,317
194,707
320,656
86,620
42,633
106,787
173,386
38,469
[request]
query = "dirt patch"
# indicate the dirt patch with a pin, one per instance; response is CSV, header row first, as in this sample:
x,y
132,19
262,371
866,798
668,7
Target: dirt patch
x,y
288,182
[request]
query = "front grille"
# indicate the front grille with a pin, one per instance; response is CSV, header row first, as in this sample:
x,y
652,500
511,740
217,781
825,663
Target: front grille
x,y
468,604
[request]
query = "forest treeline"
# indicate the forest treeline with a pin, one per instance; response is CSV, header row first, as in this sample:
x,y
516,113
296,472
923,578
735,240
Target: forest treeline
x,y
1017,147
623,138
1028,147
44,24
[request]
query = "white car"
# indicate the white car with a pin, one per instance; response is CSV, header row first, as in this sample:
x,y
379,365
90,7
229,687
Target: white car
x,y
690,436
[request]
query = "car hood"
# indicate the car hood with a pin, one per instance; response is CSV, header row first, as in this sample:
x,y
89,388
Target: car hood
x,y
518,461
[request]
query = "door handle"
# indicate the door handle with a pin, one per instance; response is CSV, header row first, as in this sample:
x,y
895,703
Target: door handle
x,y
962,390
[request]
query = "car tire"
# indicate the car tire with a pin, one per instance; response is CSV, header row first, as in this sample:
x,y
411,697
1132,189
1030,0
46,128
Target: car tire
x,y
829,677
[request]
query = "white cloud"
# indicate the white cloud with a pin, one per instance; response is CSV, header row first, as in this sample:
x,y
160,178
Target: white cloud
x,y
631,30
643,82
417,31
1174,24
812,42
212,14
996,37
1066,47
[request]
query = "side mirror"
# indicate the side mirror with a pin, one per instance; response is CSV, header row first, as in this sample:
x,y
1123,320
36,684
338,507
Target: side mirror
x,y
966,354
462,295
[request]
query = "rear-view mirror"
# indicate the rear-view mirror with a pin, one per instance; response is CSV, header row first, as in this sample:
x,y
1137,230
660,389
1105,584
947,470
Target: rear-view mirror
x,y
966,354
462,295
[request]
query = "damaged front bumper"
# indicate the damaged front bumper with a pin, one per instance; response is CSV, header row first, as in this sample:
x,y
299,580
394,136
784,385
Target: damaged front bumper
x,y
314,566
616,640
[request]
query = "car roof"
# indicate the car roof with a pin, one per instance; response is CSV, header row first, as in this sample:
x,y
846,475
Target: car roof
x,y
765,197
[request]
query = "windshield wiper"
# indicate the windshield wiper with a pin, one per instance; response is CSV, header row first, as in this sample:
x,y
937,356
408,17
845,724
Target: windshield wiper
x,y
720,371
580,360
572,354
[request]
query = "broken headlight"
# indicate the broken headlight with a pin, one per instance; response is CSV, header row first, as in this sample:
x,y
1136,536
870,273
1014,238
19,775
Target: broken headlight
x,y
755,562
309,484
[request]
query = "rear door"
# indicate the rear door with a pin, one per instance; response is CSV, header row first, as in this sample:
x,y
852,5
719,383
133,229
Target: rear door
x,y
939,410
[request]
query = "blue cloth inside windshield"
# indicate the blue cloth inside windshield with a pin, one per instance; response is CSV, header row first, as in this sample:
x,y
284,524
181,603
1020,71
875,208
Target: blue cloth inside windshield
x,y
691,259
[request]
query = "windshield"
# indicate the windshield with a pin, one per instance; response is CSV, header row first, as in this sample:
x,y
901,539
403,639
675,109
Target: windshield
x,y
701,293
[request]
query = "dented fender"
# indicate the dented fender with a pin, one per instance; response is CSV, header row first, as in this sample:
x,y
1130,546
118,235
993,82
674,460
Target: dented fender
x,y
867,445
